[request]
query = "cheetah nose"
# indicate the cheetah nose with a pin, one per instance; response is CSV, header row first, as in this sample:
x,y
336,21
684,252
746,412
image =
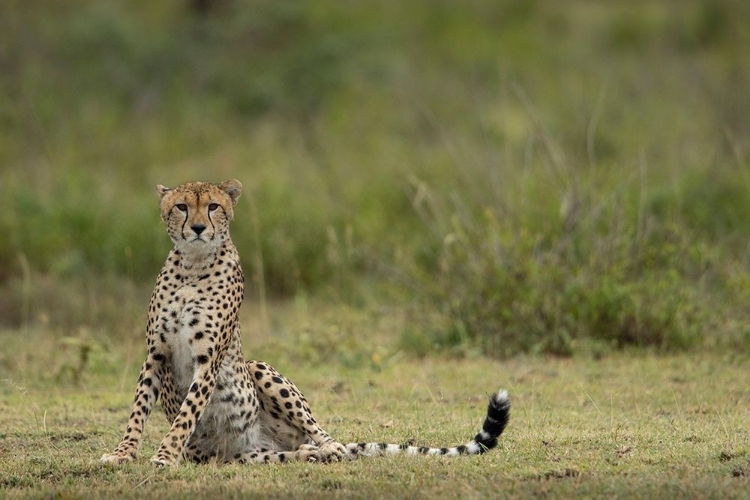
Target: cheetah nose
x,y
198,228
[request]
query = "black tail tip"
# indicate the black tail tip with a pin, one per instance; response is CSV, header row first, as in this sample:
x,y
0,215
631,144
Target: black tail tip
x,y
500,402
498,414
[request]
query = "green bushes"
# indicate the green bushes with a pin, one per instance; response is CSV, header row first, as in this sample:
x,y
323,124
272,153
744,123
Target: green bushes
x,y
551,178
605,277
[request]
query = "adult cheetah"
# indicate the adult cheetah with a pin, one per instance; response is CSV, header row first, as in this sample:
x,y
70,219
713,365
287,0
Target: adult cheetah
x,y
221,407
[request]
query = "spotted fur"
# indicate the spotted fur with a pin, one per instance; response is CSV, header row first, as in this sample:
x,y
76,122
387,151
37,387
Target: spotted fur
x,y
220,407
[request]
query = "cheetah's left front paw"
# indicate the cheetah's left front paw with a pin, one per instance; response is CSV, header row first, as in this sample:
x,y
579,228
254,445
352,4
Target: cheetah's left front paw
x,y
162,459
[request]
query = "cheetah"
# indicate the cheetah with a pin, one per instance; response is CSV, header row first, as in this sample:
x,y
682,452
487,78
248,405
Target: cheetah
x,y
222,408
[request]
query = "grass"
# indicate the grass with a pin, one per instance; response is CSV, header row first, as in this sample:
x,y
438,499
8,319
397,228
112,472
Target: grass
x,y
551,178
431,187
631,425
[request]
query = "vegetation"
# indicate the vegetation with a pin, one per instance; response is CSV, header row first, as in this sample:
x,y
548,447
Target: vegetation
x,y
526,177
430,186
628,426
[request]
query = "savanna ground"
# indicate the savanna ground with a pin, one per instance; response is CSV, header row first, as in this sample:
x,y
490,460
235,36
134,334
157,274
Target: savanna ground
x,y
441,198
628,425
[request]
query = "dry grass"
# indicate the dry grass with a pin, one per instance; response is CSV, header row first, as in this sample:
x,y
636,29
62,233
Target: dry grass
x,y
623,426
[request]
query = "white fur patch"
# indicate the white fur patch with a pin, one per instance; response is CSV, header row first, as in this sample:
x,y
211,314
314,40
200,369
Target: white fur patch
x,y
501,397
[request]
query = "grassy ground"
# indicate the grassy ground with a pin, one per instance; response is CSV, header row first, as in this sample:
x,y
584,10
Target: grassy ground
x,y
539,176
466,180
618,427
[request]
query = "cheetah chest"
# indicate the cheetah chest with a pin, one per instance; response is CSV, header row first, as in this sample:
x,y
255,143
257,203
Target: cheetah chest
x,y
186,325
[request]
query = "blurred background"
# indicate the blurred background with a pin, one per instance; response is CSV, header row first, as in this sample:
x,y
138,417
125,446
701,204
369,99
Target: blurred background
x,y
443,177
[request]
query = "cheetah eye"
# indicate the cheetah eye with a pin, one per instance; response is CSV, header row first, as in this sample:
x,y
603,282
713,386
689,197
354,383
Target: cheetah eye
x,y
213,206
181,207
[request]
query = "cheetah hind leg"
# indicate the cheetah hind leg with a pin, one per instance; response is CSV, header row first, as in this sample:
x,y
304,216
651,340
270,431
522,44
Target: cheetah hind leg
x,y
305,453
285,412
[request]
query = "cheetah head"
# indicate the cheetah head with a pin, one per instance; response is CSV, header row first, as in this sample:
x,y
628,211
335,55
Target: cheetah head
x,y
197,214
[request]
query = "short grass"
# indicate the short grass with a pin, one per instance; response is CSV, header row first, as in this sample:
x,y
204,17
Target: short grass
x,y
473,180
540,177
624,426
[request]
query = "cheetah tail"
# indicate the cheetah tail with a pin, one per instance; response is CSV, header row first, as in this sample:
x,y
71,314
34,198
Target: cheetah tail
x,y
498,414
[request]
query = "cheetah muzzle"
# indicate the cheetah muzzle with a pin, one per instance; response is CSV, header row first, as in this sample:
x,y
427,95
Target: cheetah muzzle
x,y
221,407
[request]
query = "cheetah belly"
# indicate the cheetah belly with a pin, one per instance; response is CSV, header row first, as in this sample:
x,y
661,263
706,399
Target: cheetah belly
x,y
229,424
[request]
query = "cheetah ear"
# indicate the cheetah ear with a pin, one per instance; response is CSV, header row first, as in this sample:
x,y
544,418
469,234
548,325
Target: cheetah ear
x,y
233,188
162,190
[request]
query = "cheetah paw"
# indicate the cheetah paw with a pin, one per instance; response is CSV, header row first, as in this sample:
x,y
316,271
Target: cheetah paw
x,y
117,457
306,453
163,460
331,452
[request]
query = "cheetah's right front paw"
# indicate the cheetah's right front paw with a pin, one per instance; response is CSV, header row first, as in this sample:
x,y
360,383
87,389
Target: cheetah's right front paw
x,y
117,457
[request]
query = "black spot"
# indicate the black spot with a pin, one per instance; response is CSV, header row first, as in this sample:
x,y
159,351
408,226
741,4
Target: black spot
x,y
443,450
194,322
158,357
267,385
461,449
423,450
383,446
258,375
284,393
277,380
202,359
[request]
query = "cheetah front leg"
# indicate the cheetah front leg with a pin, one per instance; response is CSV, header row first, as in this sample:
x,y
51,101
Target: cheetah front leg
x,y
146,393
283,405
202,386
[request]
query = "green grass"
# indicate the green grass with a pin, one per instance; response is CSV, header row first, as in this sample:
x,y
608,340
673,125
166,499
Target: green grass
x,y
431,187
547,178
628,425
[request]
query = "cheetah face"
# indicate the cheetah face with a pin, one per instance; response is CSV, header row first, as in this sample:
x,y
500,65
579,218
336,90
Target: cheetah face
x,y
197,214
